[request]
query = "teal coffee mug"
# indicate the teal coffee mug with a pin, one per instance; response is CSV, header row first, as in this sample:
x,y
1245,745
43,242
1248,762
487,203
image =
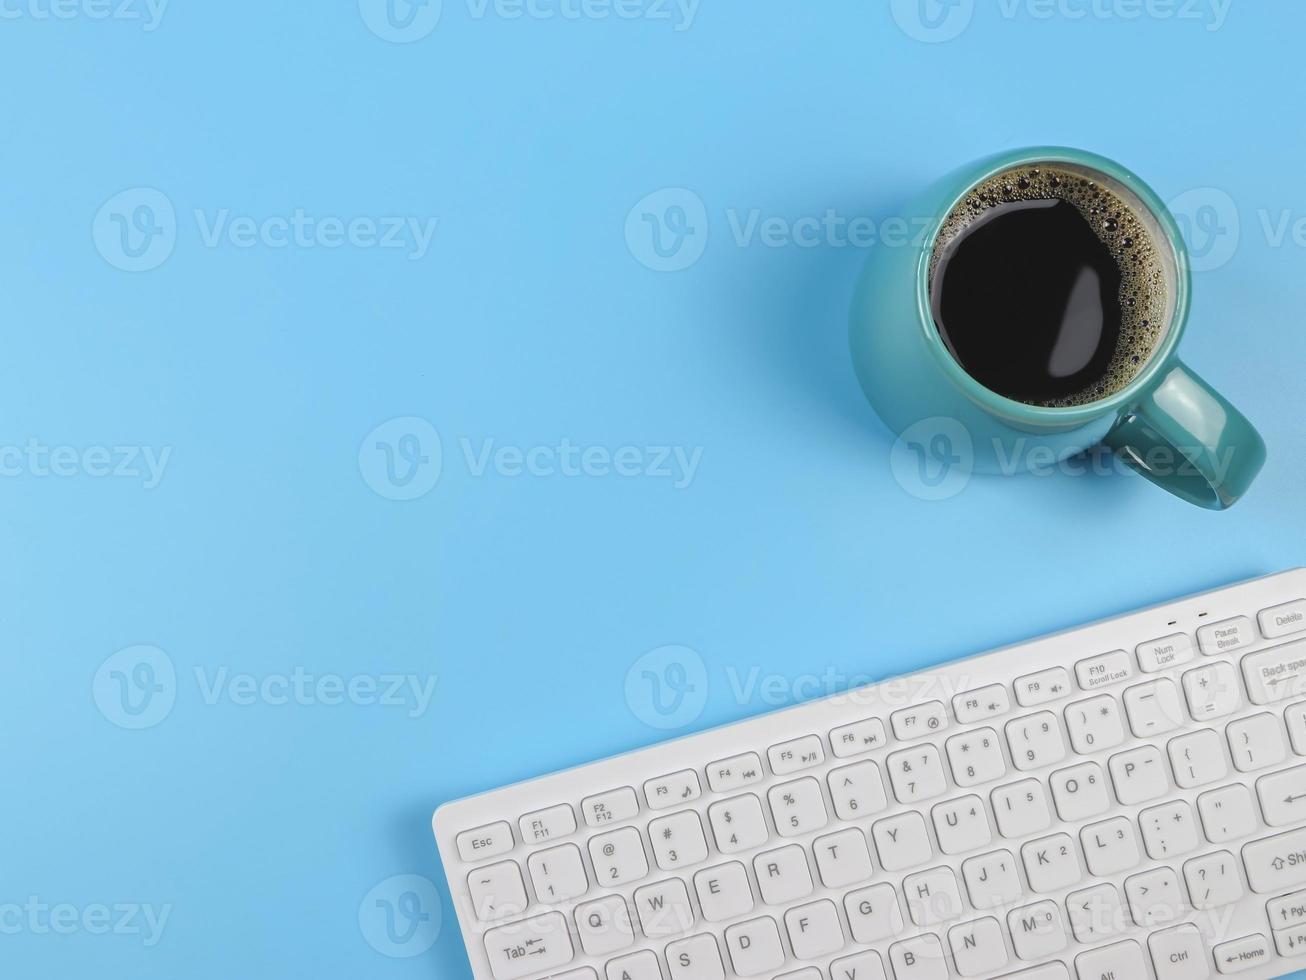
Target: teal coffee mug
x,y
1159,418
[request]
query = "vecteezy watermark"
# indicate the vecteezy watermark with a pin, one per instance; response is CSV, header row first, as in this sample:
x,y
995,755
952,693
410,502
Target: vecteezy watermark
x,y
147,13
137,230
667,687
402,459
136,687
668,230
1209,221
36,460
412,692
935,459
406,21
401,916
937,21
39,918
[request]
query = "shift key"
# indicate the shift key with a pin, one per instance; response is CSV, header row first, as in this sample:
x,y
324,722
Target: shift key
x,y
1276,863
1276,674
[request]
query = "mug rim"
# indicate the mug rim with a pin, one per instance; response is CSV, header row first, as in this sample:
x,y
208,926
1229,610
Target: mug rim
x,y
1043,415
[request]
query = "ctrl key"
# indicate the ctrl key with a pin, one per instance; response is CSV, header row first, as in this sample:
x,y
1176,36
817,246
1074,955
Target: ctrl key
x,y
531,946
1179,954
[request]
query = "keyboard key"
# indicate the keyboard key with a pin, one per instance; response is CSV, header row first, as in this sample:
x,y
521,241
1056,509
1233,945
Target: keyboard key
x,y
672,790
933,896
1154,708
1256,742
1227,814
1079,792
528,947
1276,674
1230,634
1295,717
724,892
961,825
678,840
1213,880
664,909
857,790
795,755
812,973
859,966
1277,863
1290,942
1197,759
604,926
616,806
1035,741
1168,651
558,874
1119,961
1095,724
1283,797
581,973
618,857
814,930
1282,620
1051,863
1037,931
485,842
738,824
546,825
695,959
873,913
1238,955
1049,971
1179,954
991,880
975,758
1138,775
1287,911
842,859
916,774
919,720
1042,687
901,841
978,948
754,947
1105,670
1212,691
1021,809
1155,897
735,773
1169,830
857,738
798,807
918,958
1110,847
783,875
987,702
1096,914
634,966
497,891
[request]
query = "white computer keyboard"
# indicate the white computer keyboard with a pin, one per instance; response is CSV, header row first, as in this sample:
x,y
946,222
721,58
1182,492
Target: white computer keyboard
x,y
1123,801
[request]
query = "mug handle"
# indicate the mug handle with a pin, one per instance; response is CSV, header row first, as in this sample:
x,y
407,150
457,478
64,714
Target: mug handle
x,y
1186,438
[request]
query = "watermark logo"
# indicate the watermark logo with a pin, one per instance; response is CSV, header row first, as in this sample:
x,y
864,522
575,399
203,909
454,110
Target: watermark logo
x,y
136,229
36,460
933,459
1208,218
400,21
667,687
667,230
933,21
401,459
401,916
39,918
136,687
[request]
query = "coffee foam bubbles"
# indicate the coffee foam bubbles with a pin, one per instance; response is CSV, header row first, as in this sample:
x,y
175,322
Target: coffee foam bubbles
x,y
1144,289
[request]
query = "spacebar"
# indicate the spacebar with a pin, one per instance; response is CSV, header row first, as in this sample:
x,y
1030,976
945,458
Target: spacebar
x,y
1048,971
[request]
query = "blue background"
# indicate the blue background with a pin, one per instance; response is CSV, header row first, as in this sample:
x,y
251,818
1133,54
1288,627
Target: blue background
x,y
264,547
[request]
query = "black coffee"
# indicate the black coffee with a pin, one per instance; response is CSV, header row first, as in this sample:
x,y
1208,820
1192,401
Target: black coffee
x,y
1047,288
